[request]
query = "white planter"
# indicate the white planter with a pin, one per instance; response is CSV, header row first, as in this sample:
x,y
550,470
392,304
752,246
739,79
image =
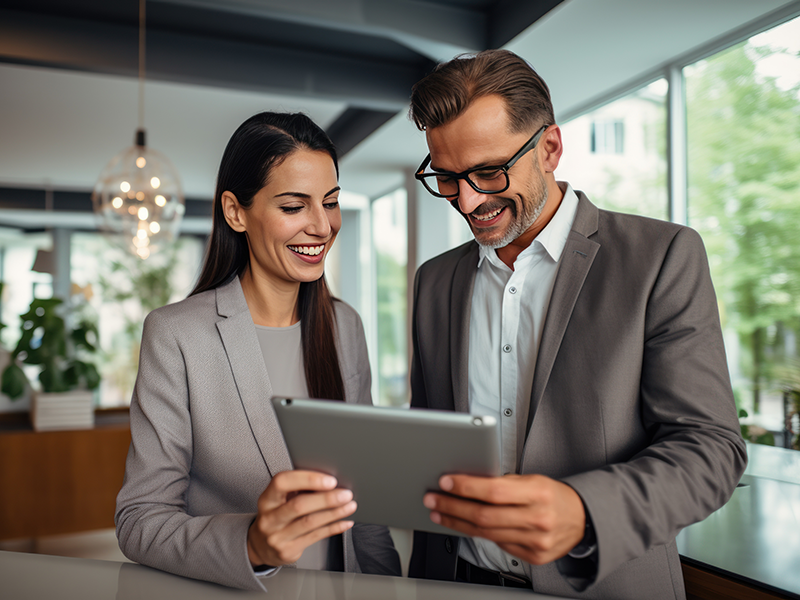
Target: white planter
x,y
64,410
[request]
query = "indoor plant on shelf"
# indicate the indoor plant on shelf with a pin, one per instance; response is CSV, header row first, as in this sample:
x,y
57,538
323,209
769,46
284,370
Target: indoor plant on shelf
x,y
67,374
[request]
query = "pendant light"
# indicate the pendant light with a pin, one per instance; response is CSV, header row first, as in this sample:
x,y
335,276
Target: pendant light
x,y
138,198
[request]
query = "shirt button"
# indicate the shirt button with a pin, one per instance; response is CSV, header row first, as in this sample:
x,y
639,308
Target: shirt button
x,y
508,412
507,348
512,290
515,563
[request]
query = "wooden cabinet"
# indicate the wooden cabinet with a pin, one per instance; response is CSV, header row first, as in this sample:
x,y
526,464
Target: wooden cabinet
x,y
60,481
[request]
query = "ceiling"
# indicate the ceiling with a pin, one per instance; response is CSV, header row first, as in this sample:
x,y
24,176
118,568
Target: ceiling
x,y
69,90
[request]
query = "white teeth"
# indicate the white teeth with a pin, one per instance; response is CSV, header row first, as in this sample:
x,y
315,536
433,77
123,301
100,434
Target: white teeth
x,y
308,250
487,216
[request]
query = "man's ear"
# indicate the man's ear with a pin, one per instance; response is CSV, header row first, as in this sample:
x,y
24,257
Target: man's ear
x,y
233,211
551,148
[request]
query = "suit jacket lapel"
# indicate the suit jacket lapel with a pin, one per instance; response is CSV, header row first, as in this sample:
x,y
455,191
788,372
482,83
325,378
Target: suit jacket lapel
x,y
579,253
460,306
250,374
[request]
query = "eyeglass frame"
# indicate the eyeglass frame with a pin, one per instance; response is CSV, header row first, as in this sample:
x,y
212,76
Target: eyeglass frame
x,y
420,174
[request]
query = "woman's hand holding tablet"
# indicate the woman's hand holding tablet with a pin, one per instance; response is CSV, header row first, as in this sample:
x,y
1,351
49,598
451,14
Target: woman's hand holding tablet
x,y
298,509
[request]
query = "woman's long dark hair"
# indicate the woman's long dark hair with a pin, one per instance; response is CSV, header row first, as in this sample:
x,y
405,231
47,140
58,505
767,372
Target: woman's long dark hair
x,y
256,147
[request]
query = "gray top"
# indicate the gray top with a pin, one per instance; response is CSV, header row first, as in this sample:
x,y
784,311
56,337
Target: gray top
x,y
282,348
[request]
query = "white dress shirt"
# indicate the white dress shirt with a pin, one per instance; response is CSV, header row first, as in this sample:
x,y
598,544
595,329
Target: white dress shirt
x,y
506,320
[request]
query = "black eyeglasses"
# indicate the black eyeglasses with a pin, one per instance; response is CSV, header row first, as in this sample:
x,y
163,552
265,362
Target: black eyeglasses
x,y
484,180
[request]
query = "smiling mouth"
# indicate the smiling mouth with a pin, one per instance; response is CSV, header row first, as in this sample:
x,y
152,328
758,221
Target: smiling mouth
x,y
488,216
308,250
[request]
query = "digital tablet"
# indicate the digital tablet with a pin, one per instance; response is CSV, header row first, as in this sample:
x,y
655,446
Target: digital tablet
x,y
388,457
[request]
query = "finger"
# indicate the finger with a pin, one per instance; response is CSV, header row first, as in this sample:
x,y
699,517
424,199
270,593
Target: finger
x,y
510,489
302,505
318,520
269,538
287,483
291,551
484,515
505,534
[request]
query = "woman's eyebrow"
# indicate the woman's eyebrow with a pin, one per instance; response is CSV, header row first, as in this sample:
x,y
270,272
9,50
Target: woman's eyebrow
x,y
304,196
294,194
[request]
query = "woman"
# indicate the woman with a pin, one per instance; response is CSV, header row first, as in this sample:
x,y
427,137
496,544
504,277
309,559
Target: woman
x,y
209,492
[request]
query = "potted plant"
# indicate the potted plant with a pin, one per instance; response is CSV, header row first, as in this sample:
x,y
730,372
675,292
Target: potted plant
x,y
67,374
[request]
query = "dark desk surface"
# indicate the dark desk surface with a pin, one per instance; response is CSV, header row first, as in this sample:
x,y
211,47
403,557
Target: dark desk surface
x,y
755,537
40,577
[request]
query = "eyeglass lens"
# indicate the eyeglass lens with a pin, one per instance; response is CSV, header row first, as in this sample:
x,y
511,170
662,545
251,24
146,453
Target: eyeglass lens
x,y
491,181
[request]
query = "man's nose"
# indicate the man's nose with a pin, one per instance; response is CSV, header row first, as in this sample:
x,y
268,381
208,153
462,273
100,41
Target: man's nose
x,y
468,198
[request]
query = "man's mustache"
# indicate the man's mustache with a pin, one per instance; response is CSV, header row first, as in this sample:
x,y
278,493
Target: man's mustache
x,y
488,206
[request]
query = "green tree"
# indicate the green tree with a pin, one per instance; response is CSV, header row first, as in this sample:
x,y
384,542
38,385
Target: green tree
x,y
744,191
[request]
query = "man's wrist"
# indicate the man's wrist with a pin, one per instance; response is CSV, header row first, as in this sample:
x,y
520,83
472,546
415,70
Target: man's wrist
x,y
588,544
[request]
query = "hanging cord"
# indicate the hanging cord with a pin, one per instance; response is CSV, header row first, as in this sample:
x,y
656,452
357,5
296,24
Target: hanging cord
x,y
142,42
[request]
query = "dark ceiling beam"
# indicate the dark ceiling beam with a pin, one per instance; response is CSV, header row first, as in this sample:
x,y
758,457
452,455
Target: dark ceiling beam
x,y
438,31
72,202
354,125
509,18
61,42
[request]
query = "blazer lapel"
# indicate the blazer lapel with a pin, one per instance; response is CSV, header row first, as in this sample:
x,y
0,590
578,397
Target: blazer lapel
x,y
460,306
250,374
579,253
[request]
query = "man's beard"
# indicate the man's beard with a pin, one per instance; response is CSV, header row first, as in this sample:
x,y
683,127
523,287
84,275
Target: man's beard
x,y
523,218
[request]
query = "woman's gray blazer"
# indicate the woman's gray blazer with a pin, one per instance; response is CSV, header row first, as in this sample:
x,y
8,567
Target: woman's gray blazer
x,y
206,441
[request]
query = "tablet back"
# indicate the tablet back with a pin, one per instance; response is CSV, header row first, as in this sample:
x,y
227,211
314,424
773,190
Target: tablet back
x,y
389,457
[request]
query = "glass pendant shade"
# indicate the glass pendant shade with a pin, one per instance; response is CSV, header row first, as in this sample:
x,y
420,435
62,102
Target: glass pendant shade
x,y
138,199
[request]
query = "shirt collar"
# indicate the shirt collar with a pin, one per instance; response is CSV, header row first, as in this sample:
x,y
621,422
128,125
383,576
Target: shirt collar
x,y
553,238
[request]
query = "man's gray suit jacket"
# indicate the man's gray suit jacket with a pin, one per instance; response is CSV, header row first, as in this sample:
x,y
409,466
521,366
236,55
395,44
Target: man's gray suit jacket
x,y
206,442
631,402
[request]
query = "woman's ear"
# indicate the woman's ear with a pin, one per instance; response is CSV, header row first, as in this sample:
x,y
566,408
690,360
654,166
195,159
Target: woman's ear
x,y
233,211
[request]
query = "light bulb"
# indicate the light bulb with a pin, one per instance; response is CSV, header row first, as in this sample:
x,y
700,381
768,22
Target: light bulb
x,y
160,200
143,213
155,227
155,182
141,162
117,202
124,186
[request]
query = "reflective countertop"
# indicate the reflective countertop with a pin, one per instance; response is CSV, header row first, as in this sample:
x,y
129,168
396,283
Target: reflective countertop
x,y
755,537
38,577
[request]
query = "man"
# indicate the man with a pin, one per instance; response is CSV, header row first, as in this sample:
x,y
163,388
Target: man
x,y
592,336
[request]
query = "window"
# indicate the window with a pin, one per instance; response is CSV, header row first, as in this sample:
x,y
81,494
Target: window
x,y
608,137
389,233
122,289
617,153
743,123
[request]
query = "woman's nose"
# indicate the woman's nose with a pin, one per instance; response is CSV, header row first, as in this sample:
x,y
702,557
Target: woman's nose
x,y
319,224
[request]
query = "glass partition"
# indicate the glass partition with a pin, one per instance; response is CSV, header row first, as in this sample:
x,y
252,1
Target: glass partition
x,y
743,113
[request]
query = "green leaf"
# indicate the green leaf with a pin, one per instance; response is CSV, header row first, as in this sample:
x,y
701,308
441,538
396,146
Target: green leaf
x,y
92,376
14,381
52,380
